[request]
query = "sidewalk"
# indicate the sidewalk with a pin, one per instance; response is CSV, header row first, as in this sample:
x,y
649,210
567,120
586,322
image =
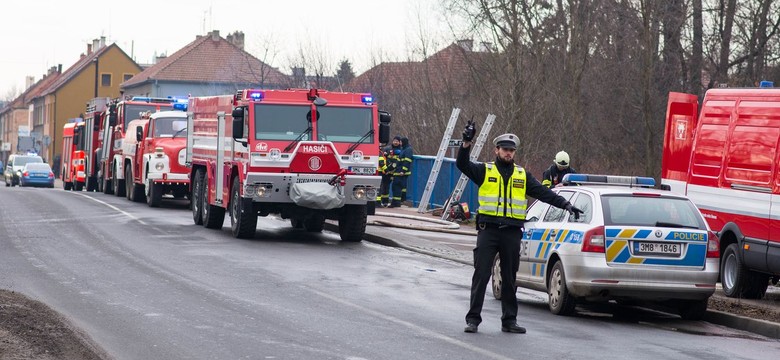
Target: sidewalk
x,y
405,228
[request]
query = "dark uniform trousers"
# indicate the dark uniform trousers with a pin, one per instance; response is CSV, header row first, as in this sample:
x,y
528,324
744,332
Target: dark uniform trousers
x,y
492,240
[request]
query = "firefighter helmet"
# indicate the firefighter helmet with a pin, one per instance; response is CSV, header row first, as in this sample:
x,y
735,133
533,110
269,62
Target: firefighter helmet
x,y
562,159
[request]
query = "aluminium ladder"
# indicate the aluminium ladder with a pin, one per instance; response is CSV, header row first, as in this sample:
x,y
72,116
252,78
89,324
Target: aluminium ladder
x,y
476,149
445,142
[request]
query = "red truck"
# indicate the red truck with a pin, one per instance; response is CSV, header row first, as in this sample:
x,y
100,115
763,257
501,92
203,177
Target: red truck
x,y
111,178
91,140
307,155
153,157
726,159
72,161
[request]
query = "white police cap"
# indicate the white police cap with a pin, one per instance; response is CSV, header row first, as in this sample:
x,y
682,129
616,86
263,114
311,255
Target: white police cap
x,y
506,141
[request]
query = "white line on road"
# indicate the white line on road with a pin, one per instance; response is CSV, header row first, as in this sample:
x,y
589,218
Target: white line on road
x,y
419,329
115,208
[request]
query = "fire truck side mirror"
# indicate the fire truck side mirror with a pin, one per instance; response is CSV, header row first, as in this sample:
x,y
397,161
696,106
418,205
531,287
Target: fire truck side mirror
x,y
384,126
112,115
139,133
238,122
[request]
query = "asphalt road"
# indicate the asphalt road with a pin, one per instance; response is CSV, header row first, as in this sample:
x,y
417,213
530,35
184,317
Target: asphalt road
x,y
148,284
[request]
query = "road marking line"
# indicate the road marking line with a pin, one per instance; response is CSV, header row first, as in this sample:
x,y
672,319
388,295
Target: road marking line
x,y
115,208
417,328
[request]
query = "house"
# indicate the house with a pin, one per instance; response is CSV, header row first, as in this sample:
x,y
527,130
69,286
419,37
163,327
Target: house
x,y
97,73
16,114
210,65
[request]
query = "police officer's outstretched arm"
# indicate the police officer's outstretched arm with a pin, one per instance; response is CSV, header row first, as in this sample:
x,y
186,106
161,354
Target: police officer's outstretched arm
x,y
474,171
542,193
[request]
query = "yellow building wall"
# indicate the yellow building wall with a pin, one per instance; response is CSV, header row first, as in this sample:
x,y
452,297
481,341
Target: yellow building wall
x,y
70,100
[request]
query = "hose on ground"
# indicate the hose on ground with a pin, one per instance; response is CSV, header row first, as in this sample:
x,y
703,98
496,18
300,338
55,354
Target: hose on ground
x,y
443,225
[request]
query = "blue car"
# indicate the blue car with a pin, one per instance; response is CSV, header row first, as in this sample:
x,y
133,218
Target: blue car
x,y
37,174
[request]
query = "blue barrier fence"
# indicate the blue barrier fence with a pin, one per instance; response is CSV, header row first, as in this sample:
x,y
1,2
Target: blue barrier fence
x,y
445,183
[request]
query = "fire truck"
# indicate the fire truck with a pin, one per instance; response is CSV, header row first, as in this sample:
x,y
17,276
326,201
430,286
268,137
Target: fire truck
x,y
306,155
91,141
154,154
111,178
725,158
72,161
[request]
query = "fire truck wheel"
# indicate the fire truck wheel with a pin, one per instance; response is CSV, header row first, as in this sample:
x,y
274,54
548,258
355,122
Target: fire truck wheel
x,y
296,223
213,216
197,197
738,281
78,186
153,193
107,188
67,185
314,223
243,220
119,184
135,192
352,223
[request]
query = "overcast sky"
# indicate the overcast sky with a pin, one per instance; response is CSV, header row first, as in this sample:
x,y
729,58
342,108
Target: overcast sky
x,y
40,34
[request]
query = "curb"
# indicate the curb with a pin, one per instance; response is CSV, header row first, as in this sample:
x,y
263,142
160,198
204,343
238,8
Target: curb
x,y
756,326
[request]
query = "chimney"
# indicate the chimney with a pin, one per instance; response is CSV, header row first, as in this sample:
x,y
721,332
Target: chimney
x,y
102,42
214,35
237,39
29,81
159,58
95,45
466,44
89,48
59,68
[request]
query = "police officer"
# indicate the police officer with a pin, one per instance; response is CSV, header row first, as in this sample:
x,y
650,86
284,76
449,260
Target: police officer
x,y
503,187
561,166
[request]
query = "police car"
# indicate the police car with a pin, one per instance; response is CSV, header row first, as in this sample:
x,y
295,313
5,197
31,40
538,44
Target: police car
x,y
632,244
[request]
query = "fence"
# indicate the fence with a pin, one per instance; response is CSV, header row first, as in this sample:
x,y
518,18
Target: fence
x,y
445,183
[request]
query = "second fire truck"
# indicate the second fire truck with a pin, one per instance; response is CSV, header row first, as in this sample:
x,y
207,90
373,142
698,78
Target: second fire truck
x,y
307,155
153,157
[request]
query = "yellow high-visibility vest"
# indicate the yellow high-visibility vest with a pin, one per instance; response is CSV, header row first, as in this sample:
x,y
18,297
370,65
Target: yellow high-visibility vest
x,y
496,199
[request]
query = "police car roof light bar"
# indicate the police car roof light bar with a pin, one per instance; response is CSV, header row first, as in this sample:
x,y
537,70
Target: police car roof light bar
x,y
591,179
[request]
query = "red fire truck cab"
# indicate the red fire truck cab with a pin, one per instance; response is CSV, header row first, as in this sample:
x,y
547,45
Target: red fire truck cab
x,y
72,160
115,119
153,150
307,155
725,158
91,140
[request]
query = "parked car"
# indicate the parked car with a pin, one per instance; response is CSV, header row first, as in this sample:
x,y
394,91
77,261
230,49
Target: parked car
x,y
632,244
37,174
13,170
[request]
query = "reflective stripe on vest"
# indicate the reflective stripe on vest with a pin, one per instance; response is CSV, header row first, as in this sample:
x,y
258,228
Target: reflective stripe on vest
x,y
494,196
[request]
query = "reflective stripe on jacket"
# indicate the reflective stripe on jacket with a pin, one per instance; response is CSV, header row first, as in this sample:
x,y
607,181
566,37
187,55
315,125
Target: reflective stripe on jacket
x,y
494,196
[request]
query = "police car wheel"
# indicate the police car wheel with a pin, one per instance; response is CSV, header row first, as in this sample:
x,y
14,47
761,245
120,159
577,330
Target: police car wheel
x,y
692,309
560,301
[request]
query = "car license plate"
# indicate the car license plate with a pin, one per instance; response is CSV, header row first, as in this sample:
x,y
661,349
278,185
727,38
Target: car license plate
x,y
657,248
362,170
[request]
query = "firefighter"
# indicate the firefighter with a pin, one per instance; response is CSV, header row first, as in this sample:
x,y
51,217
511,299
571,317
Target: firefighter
x,y
392,153
561,166
402,172
503,187
381,170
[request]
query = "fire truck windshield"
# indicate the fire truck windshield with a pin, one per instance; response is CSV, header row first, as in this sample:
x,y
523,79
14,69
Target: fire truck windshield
x,y
281,122
169,126
132,112
344,124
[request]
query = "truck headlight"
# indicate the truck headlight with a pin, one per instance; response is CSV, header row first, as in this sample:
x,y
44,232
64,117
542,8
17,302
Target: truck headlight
x,y
159,166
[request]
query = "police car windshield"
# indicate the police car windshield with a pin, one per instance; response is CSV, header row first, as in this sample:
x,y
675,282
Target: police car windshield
x,y
656,211
169,127
344,124
281,122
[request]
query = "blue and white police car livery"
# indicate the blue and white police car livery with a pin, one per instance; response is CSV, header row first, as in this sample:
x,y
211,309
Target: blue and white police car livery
x,y
632,242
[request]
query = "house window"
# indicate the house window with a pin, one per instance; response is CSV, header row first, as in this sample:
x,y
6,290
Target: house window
x,y
126,77
105,79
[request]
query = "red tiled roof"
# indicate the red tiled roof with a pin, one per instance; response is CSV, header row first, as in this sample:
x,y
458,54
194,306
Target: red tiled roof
x,y
32,92
447,69
209,60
